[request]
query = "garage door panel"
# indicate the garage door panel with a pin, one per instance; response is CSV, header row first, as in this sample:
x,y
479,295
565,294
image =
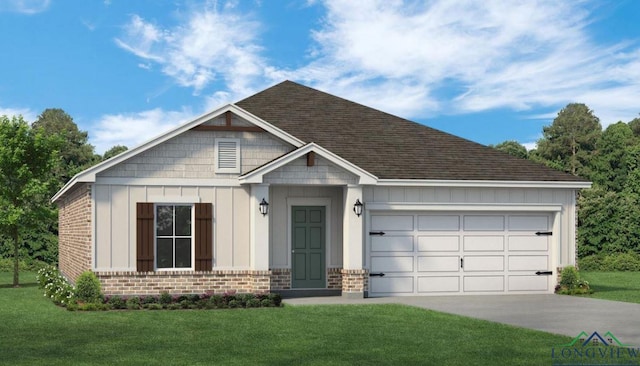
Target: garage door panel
x,y
528,223
483,243
438,284
528,262
438,243
483,222
395,285
483,263
392,244
483,283
392,264
392,222
438,263
438,222
528,283
528,243
421,253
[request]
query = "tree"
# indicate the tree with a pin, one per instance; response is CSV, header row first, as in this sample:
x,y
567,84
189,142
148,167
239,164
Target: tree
x,y
28,157
635,126
614,157
570,140
76,153
513,148
114,151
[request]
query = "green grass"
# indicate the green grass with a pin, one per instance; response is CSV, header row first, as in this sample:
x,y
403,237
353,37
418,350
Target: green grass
x,y
33,331
618,286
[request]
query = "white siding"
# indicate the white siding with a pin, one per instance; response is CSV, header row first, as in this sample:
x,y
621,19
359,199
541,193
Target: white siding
x,y
192,155
115,217
323,172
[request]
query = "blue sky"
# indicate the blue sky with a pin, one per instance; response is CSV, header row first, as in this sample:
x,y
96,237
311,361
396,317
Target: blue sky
x,y
488,71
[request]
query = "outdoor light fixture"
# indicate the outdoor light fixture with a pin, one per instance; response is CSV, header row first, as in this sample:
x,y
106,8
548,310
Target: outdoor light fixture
x,y
357,207
264,207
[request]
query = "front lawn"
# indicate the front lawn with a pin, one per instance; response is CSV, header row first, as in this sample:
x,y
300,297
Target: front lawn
x,y
35,332
618,286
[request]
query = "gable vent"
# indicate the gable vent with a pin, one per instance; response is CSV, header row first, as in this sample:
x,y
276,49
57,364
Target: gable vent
x,y
228,156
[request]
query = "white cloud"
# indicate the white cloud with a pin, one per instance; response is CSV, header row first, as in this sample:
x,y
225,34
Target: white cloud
x,y
28,7
212,44
26,113
132,129
497,54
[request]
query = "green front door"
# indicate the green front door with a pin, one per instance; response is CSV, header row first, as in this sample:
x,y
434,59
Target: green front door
x,y
308,247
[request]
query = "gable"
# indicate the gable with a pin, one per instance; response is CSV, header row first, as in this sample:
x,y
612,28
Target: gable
x,y
192,154
299,172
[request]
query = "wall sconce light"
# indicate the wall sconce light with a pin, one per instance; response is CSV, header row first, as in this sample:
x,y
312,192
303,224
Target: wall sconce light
x,y
357,207
264,207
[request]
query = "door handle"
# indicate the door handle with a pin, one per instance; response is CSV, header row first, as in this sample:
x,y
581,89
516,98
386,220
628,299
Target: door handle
x,y
462,263
544,273
376,274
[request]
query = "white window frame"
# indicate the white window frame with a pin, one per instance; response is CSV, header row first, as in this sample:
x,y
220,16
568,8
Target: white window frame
x,y
235,169
155,236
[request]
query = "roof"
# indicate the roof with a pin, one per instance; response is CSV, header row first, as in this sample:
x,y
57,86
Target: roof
x,y
385,145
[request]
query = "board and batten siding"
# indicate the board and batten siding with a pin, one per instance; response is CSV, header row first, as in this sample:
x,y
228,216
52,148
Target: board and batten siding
x,y
491,196
115,213
281,196
191,155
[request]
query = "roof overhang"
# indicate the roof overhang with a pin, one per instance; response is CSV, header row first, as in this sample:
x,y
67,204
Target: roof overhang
x,y
89,175
257,175
483,183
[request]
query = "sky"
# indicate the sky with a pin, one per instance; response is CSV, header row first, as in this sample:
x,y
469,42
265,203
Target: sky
x,y
488,71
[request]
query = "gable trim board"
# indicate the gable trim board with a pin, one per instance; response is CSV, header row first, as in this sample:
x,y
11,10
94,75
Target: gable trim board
x,y
313,149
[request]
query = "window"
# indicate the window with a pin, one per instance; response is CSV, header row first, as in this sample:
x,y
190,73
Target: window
x,y
227,155
174,237
165,238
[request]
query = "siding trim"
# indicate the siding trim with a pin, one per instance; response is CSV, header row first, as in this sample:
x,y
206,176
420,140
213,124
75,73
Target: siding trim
x,y
173,182
462,207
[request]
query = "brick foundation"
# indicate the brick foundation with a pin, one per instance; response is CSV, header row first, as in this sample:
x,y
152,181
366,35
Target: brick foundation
x,y
334,278
177,282
74,233
354,281
280,279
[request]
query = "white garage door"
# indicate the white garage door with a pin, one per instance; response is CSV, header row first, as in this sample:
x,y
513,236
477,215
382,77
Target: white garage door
x,y
451,253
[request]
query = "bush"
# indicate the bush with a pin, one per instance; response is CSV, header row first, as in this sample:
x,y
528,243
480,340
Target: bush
x,y
165,298
629,261
117,302
88,288
55,286
133,303
571,283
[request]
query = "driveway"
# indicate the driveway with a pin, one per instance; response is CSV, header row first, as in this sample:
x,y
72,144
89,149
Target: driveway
x,y
560,314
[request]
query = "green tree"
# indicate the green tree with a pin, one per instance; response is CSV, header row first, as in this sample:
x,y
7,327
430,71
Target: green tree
x,y
635,126
76,154
27,158
513,148
614,157
114,151
570,141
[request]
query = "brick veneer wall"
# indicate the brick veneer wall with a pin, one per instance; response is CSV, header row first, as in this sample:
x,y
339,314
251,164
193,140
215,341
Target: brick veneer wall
x,y
280,279
179,282
334,278
354,281
74,232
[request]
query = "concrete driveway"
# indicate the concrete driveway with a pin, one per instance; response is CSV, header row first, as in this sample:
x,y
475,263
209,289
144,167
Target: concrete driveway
x,y
560,314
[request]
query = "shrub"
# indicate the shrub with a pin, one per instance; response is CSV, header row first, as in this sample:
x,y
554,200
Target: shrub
x,y
253,303
117,302
165,298
88,288
153,306
55,286
571,283
276,299
144,300
133,303
629,261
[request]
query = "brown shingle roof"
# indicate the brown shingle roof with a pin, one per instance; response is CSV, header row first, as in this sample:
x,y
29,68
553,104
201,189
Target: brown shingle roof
x,y
387,146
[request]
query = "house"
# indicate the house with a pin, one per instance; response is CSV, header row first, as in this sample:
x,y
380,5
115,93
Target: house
x,y
294,189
